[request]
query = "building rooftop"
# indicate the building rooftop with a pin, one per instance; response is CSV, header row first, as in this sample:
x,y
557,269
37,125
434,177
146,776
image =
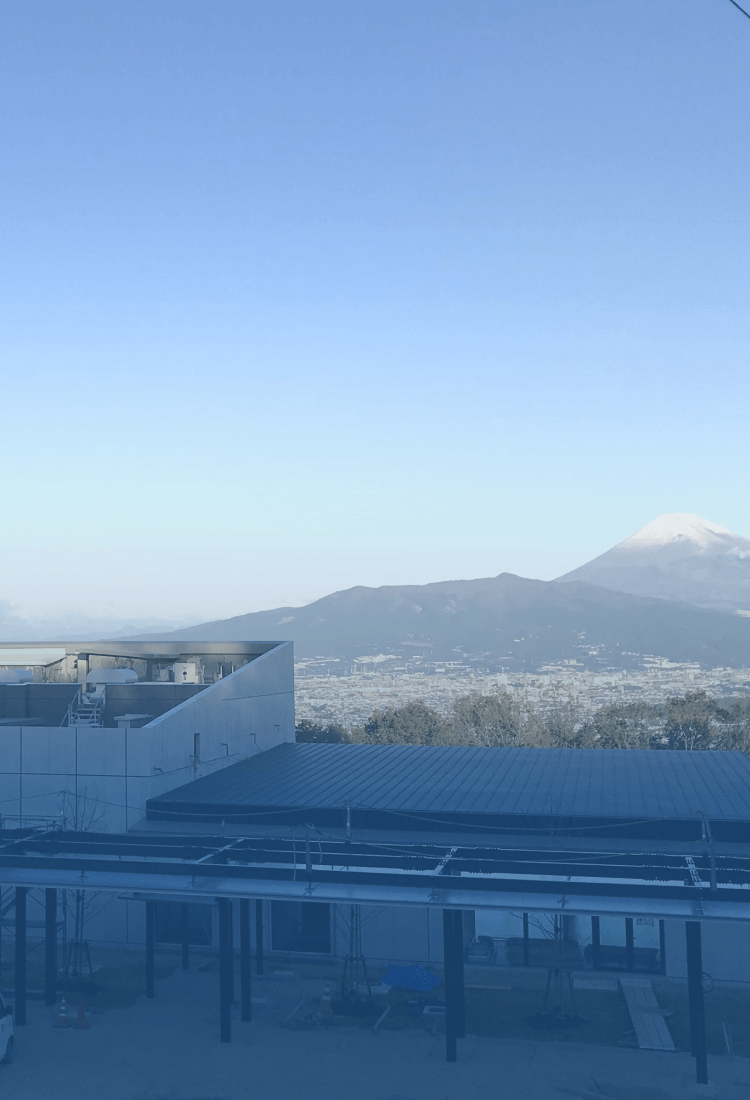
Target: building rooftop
x,y
669,793
65,683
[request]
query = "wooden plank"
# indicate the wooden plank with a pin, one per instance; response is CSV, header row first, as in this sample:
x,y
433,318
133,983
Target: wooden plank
x,y
648,1019
607,985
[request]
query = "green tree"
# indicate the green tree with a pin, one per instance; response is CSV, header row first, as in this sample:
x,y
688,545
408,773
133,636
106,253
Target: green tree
x,y
412,724
562,723
735,731
693,721
490,720
624,726
308,732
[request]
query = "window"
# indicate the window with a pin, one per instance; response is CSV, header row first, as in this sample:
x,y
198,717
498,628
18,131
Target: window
x,y
303,926
169,923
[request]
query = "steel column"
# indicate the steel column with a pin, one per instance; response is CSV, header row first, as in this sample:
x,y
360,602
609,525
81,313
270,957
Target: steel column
x,y
20,960
629,944
185,935
150,947
231,951
225,972
458,947
662,948
695,998
50,947
451,1000
596,944
245,979
259,937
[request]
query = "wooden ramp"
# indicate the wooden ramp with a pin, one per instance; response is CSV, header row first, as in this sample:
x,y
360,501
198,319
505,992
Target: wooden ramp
x,y
648,1019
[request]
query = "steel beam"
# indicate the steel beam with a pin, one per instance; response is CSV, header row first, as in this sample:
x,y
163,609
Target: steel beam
x,y
246,1001
20,959
458,949
230,926
662,948
629,944
259,936
150,947
596,944
695,999
225,972
513,897
451,991
50,947
185,935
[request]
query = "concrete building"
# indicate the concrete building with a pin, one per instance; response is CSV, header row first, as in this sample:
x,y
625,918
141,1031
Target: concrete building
x,y
90,731
625,802
194,742
563,859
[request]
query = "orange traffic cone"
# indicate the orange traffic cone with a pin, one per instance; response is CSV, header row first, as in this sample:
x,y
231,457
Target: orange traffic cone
x,y
81,1016
62,1020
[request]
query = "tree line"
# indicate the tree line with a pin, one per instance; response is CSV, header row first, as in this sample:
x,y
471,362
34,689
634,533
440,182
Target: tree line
x,y
687,722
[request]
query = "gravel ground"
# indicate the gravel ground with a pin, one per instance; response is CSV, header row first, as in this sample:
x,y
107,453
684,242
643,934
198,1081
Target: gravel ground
x,y
168,1049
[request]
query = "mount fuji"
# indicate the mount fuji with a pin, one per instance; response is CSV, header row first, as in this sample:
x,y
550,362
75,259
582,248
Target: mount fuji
x,y
604,613
677,556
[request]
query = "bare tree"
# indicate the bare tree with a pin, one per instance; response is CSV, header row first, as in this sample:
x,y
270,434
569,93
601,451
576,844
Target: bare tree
x,y
80,813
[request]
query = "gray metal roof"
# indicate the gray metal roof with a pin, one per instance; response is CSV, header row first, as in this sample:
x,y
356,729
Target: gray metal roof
x,y
424,780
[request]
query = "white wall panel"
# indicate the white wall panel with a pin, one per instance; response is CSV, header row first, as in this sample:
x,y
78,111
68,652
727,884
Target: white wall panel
x,y
100,751
10,748
49,750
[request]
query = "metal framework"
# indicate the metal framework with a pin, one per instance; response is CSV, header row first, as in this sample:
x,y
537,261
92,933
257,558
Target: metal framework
x,y
643,880
692,882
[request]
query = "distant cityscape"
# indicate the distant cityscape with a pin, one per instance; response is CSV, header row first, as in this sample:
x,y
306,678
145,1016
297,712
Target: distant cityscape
x,y
347,692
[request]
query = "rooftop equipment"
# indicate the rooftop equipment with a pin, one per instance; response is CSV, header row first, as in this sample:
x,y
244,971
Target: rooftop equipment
x,y
101,676
16,676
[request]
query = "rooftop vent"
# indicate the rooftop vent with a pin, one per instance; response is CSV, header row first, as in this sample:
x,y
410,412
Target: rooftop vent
x,y
99,676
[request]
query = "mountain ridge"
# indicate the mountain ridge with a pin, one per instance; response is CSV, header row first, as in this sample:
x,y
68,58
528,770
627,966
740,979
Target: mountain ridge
x,y
507,621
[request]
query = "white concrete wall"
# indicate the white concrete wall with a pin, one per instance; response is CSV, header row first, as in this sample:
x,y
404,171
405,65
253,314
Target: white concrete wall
x,y
393,934
249,711
725,948
244,714
109,774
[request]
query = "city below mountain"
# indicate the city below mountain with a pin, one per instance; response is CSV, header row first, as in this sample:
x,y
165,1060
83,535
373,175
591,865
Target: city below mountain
x,y
499,622
676,557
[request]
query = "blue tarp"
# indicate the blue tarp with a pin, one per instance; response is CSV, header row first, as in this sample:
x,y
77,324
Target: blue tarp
x,y
411,977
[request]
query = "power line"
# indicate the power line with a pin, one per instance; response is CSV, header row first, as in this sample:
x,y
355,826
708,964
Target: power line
x,y
745,13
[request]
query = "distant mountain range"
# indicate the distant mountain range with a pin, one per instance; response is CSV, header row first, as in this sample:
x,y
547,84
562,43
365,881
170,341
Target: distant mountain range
x,y
20,628
505,621
676,557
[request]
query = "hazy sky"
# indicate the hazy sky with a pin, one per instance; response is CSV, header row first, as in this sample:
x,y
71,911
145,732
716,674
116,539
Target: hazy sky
x,y
297,295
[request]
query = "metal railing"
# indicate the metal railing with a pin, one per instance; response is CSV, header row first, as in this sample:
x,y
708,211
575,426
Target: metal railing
x,y
85,710
73,706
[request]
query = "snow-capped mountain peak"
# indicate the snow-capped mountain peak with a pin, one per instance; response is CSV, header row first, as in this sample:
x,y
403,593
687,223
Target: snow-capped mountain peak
x,y
677,527
678,556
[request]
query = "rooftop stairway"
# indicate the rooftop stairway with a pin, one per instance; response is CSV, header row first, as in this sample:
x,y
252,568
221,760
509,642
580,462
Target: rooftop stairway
x,y
86,709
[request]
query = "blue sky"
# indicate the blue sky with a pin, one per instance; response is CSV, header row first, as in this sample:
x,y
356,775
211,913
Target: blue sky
x,y
297,296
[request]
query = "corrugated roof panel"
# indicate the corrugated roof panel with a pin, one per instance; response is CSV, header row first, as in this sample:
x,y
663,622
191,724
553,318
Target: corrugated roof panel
x,y
620,783
464,777
417,783
735,785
